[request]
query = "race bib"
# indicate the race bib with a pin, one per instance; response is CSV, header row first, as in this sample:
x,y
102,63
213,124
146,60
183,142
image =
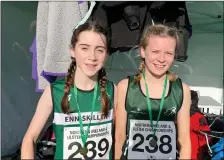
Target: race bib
x,y
98,143
140,135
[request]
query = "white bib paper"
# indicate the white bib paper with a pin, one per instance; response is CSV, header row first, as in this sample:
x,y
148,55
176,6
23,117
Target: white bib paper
x,y
99,142
140,135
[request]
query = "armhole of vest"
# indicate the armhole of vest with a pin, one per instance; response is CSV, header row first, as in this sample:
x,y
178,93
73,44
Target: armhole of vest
x,y
112,98
52,98
182,94
126,96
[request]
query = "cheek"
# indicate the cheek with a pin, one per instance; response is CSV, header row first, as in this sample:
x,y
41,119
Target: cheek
x,y
170,60
79,58
150,57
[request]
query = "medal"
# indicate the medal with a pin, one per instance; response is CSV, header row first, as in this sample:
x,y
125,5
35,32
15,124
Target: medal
x,y
153,141
83,151
84,134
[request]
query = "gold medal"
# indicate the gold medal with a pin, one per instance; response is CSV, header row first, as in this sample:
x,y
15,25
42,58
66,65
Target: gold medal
x,y
83,151
153,143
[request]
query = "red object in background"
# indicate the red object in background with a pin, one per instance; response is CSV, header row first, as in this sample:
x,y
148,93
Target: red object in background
x,y
199,146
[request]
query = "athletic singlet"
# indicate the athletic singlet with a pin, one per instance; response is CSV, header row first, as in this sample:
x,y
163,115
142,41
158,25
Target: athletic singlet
x,y
67,130
138,128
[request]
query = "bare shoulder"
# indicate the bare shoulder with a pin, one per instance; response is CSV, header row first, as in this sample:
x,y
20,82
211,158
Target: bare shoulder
x,y
123,84
186,89
47,92
46,98
115,87
121,93
186,96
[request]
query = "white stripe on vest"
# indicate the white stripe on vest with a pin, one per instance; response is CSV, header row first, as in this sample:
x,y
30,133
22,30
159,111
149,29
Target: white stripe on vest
x,y
64,119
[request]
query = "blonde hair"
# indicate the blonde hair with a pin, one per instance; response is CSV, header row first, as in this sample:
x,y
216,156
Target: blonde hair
x,y
162,31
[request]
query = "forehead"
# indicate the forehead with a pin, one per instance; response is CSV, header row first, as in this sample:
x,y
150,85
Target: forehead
x,y
92,38
159,41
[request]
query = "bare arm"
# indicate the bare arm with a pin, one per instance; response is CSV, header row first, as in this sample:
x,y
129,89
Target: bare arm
x,y
121,118
115,102
183,123
43,111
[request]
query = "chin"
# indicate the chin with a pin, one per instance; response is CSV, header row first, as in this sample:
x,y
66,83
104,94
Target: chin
x,y
90,74
158,74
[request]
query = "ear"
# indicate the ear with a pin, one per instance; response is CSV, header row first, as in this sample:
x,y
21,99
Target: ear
x,y
142,52
106,57
72,52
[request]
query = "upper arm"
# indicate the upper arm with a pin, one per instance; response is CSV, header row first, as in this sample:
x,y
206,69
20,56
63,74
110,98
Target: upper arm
x,y
42,113
121,114
183,116
115,100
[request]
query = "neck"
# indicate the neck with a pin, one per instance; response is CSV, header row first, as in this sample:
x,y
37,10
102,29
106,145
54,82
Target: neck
x,y
84,82
153,79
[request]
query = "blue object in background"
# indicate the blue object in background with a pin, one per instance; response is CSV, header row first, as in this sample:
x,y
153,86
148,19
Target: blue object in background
x,y
218,150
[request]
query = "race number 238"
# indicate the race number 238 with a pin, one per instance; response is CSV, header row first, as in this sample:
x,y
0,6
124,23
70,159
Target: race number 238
x,y
141,134
165,140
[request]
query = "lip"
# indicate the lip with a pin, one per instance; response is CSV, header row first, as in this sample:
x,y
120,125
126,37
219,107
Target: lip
x,y
159,66
91,65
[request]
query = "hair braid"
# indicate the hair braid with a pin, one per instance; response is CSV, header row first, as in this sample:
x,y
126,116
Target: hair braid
x,y
141,69
172,76
104,97
68,83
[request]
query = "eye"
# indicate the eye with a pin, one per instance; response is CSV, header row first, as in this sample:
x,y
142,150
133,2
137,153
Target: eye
x,y
155,51
169,53
100,50
84,49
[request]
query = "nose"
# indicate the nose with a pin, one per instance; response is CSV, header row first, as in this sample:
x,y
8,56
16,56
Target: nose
x,y
161,57
92,56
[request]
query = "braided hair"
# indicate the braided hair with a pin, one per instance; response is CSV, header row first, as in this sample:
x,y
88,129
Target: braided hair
x,y
69,82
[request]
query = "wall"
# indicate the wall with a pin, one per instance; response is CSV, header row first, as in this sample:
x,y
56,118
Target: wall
x,y
19,98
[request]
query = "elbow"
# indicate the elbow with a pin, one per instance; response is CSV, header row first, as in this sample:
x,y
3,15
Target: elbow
x,y
29,140
184,142
27,148
185,148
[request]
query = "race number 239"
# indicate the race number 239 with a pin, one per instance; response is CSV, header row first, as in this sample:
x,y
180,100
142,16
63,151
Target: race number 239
x,y
98,143
141,134
94,149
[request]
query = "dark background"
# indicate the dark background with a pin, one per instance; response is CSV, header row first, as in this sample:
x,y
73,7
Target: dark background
x,y
19,98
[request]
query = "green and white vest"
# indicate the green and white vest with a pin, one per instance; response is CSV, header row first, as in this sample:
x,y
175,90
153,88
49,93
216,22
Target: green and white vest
x,y
67,130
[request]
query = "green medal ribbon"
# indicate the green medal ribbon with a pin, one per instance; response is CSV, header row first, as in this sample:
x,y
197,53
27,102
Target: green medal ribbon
x,y
153,142
84,135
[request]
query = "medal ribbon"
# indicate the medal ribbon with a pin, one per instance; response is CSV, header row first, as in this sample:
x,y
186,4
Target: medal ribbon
x,y
149,104
84,135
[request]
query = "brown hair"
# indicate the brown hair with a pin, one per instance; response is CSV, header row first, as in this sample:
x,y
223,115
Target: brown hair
x,y
69,82
162,31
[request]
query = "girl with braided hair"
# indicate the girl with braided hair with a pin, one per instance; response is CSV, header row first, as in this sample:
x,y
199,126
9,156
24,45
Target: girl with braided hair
x,y
153,109
82,103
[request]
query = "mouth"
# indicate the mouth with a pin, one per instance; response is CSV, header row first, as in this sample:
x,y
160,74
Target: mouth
x,y
159,66
91,66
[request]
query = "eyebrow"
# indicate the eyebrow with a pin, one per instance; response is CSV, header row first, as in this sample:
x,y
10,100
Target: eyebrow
x,y
89,45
